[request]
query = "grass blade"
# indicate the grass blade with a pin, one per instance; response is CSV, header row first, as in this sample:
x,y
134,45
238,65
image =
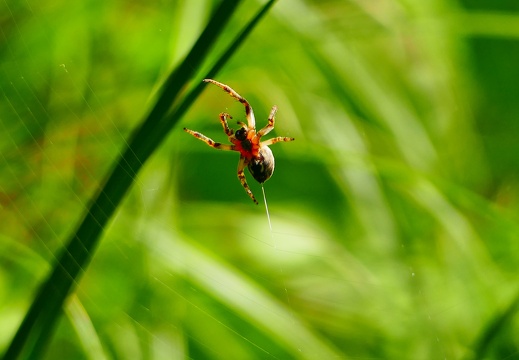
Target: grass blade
x,y
35,330
494,329
193,94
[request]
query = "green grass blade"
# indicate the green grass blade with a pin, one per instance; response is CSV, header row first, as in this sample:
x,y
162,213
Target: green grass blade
x,y
279,322
193,94
494,329
36,328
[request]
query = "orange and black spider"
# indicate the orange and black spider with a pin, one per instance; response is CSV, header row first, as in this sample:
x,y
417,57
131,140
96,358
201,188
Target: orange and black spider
x,y
254,154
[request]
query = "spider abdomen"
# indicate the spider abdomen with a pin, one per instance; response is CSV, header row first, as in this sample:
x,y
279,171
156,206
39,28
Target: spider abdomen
x,y
261,166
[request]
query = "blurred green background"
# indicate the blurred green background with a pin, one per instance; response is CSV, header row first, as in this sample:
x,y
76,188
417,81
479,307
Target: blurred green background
x,y
394,213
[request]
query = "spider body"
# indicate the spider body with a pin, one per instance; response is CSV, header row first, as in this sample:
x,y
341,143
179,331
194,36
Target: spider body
x,y
254,153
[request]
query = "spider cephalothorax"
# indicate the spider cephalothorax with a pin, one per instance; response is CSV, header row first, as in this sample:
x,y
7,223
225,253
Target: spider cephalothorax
x,y
254,154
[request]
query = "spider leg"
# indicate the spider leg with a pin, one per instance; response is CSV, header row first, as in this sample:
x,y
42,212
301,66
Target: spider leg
x,y
209,141
276,140
241,175
223,119
270,124
249,114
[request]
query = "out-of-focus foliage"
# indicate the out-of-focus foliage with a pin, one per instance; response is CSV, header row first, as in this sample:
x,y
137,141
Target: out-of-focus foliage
x,y
394,213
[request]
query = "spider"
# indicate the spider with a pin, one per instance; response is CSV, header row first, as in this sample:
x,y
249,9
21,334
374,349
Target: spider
x,y
254,154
